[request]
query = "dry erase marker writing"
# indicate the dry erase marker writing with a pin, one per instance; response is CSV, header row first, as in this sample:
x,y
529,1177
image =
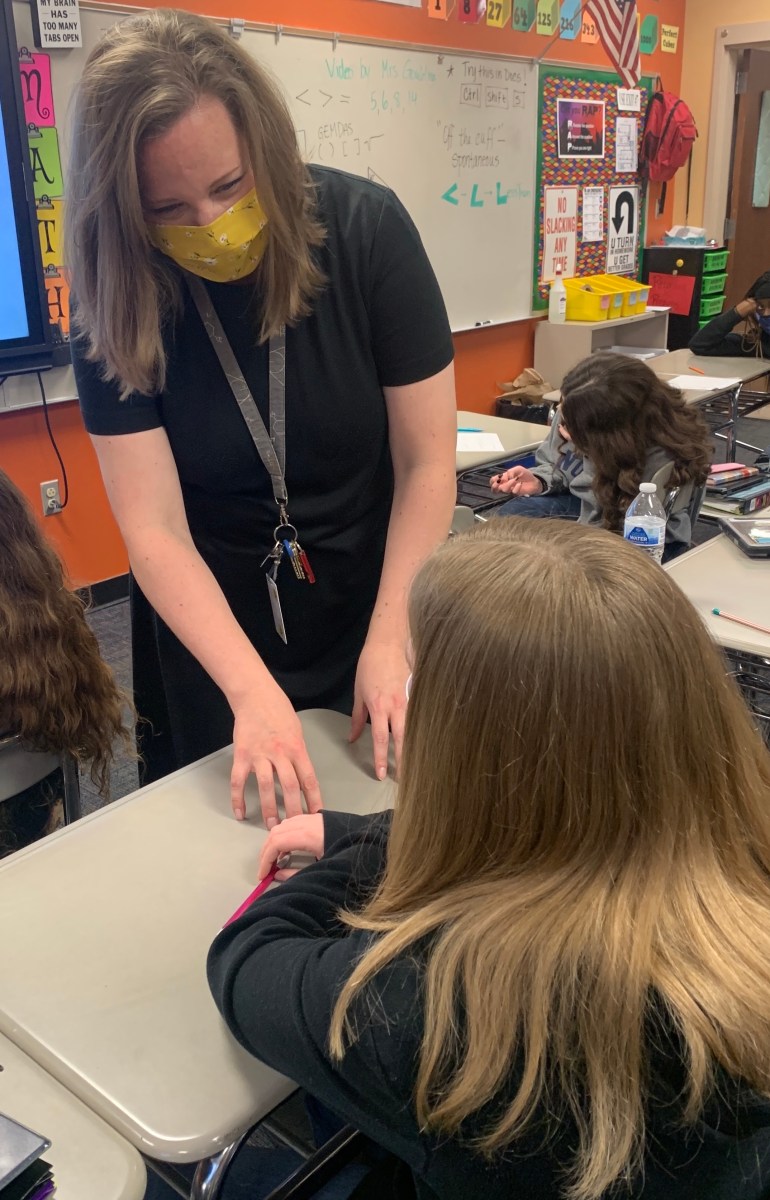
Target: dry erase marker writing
x,y
740,620
468,429
252,896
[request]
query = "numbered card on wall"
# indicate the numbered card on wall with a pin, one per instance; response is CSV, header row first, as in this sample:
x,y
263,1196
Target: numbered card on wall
x,y
548,17
588,31
499,13
524,13
648,37
569,20
470,12
36,90
439,9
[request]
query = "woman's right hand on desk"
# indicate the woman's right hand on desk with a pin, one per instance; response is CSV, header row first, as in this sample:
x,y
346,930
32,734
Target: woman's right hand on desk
x,y
295,835
516,481
269,743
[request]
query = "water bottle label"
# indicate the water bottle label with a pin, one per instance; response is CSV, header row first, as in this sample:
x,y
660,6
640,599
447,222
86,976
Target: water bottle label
x,y
645,537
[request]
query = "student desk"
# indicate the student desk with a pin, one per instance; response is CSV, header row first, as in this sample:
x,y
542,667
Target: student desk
x,y
718,575
680,362
90,1161
518,437
104,930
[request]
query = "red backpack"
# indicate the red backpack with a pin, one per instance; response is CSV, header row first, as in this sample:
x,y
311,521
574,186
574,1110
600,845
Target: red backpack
x,y
668,137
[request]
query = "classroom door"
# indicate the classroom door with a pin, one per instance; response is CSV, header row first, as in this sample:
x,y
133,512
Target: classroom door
x,y
750,247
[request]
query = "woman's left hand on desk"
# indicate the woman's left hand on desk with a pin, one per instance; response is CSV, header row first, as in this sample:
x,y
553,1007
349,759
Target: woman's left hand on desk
x,y
380,692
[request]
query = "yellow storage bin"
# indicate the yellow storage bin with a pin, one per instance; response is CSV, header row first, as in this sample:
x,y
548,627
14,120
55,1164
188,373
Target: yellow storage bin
x,y
633,294
586,303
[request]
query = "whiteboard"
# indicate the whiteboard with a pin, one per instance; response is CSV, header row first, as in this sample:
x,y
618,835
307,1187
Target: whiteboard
x,y
454,136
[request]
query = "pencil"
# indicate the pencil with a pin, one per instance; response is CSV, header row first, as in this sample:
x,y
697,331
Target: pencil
x,y
258,890
697,370
740,620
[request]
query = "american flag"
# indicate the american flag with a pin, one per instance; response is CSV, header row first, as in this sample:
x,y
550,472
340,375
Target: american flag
x,y
617,27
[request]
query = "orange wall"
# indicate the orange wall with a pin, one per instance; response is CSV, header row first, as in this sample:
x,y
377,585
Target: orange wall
x,y
706,17
86,534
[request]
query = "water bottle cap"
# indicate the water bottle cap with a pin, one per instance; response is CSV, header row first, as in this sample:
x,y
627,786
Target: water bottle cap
x,y
647,488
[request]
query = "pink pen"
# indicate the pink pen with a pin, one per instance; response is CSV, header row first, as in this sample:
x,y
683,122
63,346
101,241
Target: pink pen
x,y
258,890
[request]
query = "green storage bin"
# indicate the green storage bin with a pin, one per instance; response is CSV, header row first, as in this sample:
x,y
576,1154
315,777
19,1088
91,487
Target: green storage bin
x,y
715,260
711,306
713,284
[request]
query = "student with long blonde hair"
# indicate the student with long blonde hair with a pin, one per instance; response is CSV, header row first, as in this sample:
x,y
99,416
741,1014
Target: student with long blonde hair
x,y
56,692
218,279
547,973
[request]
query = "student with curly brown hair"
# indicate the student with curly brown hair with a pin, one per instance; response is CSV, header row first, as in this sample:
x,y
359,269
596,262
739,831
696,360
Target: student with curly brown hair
x,y
618,426
56,692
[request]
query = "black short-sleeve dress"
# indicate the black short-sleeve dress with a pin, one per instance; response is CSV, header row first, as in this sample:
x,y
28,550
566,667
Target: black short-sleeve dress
x,y
379,321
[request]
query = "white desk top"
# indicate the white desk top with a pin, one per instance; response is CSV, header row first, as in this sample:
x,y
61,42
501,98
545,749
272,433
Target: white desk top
x,y
679,362
718,575
516,436
121,907
90,1161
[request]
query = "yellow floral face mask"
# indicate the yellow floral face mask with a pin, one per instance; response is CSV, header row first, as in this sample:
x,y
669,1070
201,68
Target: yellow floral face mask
x,y
227,249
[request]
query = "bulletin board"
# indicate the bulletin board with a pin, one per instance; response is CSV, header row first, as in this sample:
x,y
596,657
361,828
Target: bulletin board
x,y
585,170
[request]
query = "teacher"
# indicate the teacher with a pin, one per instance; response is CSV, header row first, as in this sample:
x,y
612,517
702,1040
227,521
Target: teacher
x,y
263,360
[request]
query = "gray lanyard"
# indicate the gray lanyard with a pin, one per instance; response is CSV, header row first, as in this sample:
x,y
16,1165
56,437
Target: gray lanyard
x,y
271,447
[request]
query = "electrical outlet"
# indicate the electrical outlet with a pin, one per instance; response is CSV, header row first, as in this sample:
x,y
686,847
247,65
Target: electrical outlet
x,y
51,497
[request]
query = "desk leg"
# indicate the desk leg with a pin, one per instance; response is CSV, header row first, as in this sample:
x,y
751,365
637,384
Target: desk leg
x,y
210,1172
732,430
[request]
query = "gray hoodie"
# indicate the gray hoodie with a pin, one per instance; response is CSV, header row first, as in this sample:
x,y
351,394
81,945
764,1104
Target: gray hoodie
x,y
560,468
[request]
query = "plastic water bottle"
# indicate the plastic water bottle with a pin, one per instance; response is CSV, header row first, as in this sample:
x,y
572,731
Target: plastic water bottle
x,y
557,299
645,523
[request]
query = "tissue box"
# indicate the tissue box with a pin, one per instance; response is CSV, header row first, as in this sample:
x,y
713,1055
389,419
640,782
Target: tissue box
x,y
685,235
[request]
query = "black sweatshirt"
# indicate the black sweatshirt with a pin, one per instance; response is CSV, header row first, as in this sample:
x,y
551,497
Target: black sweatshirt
x,y
716,339
276,974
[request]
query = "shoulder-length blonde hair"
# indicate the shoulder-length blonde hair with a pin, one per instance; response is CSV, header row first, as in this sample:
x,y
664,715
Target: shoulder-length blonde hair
x,y
582,830
145,73
56,691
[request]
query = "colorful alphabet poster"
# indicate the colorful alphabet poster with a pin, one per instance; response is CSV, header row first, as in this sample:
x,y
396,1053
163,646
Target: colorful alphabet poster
x,y
46,161
36,89
49,223
47,179
58,296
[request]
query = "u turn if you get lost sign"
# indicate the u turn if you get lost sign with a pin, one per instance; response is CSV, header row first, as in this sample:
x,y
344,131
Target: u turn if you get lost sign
x,y
56,24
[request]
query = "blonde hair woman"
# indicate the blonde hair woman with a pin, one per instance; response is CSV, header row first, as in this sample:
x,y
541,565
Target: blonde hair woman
x,y
551,976
276,491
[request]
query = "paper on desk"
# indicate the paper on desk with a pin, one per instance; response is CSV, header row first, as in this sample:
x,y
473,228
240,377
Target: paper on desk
x,y
478,441
701,383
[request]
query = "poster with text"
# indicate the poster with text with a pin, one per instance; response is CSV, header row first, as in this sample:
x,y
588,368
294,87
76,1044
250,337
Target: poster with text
x,y
623,217
580,128
560,206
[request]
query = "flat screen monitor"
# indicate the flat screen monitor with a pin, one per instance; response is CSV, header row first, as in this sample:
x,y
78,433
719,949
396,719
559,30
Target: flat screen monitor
x,y
25,329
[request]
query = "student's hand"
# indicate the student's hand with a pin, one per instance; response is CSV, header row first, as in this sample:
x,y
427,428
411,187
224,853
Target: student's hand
x,y
302,835
268,742
746,308
380,692
517,481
